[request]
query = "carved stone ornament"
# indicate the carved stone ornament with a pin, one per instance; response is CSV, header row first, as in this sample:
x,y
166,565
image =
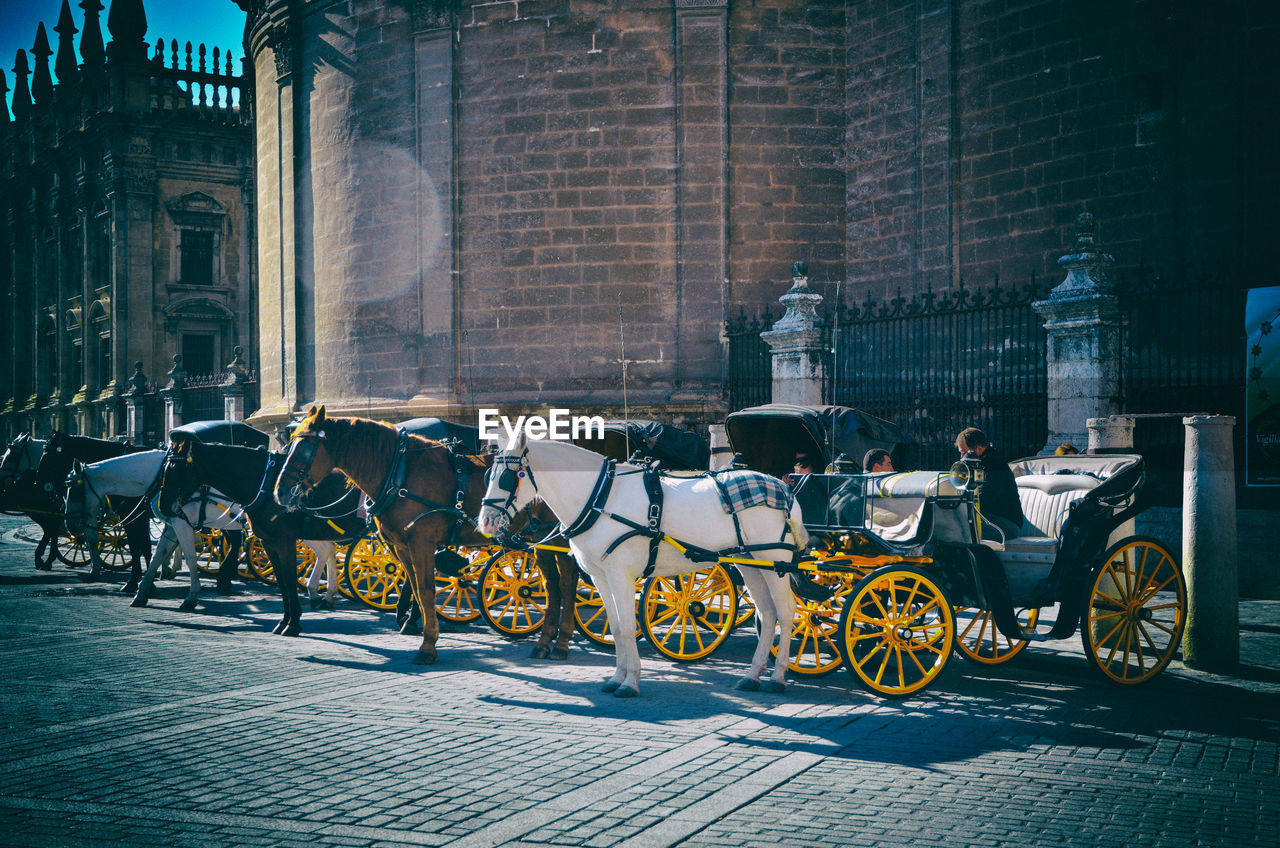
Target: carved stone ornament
x,y
430,14
282,48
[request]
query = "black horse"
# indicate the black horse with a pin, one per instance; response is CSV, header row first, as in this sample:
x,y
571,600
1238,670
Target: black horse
x,y
246,475
19,494
60,453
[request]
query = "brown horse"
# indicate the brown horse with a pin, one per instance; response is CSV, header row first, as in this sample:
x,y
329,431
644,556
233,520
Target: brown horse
x,y
421,492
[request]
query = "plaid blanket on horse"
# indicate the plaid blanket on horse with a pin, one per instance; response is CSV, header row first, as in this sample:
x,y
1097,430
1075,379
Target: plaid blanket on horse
x,y
742,488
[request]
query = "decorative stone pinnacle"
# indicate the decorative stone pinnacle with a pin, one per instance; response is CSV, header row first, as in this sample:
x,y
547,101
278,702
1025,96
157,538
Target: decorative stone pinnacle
x,y
177,374
237,372
1086,265
801,303
138,382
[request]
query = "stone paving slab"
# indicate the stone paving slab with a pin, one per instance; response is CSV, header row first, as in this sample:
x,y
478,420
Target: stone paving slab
x,y
123,726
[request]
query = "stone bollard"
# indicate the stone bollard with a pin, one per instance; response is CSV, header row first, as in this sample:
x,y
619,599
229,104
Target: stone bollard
x,y
1110,434
1212,637
799,355
721,453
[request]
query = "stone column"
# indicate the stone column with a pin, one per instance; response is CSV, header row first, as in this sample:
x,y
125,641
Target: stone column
x,y
799,356
1211,640
172,394
1082,319
135,405
233,387
1112,434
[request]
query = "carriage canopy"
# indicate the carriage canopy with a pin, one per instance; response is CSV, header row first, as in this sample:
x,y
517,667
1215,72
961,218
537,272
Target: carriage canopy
x,y
221,433
675,449
768,437
440,430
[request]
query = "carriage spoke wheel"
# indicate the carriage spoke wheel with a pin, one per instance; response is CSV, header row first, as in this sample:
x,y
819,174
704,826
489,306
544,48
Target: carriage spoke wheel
x,y
513,595
373,575
980,641
897,631
815,630
71,549
458,597
306,562
211,547
589,615
688,617
1135,611
253,560
113,545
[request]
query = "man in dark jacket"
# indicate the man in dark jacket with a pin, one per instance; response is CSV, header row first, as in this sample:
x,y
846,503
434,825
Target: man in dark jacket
x,y
998,502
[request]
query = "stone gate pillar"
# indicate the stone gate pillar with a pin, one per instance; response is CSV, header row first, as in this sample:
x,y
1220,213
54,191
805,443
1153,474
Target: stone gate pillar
x,y
172,394
799,356
233,387
135,406
1082,319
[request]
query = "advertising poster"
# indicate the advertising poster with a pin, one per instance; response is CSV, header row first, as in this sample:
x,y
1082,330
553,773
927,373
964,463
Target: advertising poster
x,y
1262,388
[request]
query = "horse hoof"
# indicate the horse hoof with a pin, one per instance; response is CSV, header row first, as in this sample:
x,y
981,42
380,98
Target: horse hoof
x,y
746,684
540,652
139,601
187,606
129,588
559,653
91,577
424,658
168,574
410,628
610,686
321,604
291,630
224,587
44,566
773,687
279,628
625,692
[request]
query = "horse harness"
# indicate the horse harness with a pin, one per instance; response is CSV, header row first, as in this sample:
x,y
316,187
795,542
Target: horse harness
x,y
652,528
393,484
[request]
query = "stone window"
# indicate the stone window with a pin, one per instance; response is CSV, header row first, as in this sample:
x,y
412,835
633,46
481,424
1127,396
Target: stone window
x,y
196,250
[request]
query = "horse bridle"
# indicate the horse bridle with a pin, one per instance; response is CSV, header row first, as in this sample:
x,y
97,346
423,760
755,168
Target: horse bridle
x,y
508,481
304,449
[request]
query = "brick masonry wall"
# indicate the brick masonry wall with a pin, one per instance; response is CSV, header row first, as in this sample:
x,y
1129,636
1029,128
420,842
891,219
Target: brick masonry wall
x,y
787,120
977,131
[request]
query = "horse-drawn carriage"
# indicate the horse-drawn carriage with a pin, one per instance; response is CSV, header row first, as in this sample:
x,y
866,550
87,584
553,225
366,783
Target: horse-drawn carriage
x,y
901,570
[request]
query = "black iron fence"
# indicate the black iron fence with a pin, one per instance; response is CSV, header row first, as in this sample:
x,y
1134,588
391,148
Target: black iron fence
x,y
937,363
203,399
749,377
1184,351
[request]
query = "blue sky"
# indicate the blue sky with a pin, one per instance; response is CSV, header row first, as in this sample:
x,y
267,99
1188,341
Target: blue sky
x,y
215,22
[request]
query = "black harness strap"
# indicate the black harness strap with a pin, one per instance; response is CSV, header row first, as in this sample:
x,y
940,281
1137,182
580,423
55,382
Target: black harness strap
x,y
594,507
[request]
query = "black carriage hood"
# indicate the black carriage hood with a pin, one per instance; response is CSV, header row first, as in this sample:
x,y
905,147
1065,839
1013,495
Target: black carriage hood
x,y
221,433
674,448
768,436
440,430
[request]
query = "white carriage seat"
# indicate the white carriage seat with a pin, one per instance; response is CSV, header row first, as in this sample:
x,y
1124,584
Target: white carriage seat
x,y
896,519
1045,500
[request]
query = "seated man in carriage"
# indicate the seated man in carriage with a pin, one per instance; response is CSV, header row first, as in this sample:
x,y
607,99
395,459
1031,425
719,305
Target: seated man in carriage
x,y
999,503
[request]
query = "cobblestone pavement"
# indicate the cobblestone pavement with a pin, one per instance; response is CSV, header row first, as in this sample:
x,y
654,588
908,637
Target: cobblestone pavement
x,y
150,726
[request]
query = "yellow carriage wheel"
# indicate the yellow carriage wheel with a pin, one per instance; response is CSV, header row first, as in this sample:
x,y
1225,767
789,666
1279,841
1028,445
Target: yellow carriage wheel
x,y
897,631
980,641
71,549
211,547
374,576
589,615
688,616
815,630
113,544
513,595
1134,612
458,597
256,564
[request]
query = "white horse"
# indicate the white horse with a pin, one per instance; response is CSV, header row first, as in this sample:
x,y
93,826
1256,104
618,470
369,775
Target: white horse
x,y
569,479
134,475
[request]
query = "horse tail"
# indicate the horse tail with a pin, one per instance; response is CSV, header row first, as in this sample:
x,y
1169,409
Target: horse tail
x,y
798,532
